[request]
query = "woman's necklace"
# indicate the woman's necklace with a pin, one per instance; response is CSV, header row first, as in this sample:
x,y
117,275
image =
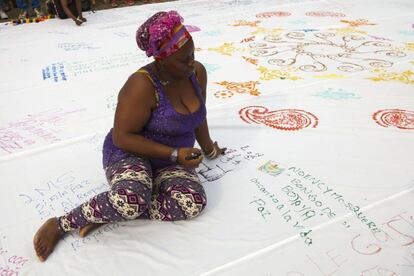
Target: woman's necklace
x,y
163,82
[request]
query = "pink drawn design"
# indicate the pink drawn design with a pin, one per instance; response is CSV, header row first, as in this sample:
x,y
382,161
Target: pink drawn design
x,y
325,14
273,14
192,28
402,119
283,119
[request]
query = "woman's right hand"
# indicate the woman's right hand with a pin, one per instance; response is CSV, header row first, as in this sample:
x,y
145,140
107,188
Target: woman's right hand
x,y
186,159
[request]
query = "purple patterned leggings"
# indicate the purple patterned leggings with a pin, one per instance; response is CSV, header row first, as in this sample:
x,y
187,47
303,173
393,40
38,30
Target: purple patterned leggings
x,y
174,193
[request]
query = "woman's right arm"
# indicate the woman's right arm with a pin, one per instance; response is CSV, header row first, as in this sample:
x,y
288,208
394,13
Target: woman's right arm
x,y
135,103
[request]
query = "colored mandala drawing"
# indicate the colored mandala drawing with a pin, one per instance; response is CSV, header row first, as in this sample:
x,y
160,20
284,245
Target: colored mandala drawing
x,y
283,119
272,168
383,75
272,14
314,51
325,14
240,23
250,60
241,87
262,30
338,94
402,119
285,73
357,23
330,76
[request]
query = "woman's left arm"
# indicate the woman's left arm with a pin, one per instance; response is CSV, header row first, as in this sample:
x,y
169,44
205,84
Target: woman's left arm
x,y
210,148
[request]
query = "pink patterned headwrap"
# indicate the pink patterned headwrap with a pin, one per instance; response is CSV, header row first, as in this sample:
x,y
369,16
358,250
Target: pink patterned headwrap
x,y
162,34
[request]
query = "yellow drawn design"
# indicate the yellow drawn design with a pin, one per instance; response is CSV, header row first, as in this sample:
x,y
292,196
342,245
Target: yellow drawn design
x,y
347,30
357,23
267,74
226,49
383,75
241,87
409,46
223,94
330,76
240,23
262,30
250,60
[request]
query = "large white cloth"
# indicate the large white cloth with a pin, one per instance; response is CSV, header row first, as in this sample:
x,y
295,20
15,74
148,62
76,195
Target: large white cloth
x,y
314,99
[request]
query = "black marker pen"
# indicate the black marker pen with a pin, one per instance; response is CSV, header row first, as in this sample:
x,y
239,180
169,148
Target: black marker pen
x,y
192,156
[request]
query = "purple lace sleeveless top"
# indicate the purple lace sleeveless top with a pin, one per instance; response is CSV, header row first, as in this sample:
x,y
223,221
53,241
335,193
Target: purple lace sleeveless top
x,y
165,126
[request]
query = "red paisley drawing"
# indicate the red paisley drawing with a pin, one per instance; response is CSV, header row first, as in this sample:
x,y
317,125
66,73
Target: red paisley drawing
x,y
273,14
325,14
403,119
283,119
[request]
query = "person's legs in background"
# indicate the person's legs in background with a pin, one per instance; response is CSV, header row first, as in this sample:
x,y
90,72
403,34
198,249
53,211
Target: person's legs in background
x,y
36,8
78,5
3,15
22,5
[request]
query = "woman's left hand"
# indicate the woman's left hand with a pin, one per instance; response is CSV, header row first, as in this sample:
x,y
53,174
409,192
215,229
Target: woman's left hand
x,y
215,152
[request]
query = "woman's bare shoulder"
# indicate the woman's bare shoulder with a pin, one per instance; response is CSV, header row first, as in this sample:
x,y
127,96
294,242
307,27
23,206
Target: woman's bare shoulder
x,y
138,87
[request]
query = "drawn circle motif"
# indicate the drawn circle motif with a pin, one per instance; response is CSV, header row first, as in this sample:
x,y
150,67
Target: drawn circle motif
x,y
223,94
402,119
325,14
283,119
272,14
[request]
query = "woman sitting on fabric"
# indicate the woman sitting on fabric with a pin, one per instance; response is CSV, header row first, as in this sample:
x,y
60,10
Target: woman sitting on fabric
x,y
149,156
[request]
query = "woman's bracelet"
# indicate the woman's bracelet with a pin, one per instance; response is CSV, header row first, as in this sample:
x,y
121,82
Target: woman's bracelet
x,y
212,154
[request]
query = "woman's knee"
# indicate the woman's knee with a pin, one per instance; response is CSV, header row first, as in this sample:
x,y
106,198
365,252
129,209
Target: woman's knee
x,y
128,202
191,202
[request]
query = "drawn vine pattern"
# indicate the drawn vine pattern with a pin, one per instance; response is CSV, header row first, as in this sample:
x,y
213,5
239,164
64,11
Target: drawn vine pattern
x,y
314,51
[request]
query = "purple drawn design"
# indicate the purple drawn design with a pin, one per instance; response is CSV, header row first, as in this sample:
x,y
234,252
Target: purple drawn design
x,y
192,28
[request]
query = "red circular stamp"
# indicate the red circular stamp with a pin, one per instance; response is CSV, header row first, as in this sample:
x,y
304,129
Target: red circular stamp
x,y
325,14
399,118
283,119
273,14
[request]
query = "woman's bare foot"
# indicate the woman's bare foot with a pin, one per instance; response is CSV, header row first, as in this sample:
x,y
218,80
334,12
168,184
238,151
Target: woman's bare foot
x,y
46,238
85,230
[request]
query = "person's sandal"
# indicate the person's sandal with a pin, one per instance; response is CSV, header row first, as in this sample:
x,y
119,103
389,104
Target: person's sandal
x,y
114,4
78,21
81,18
129,2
